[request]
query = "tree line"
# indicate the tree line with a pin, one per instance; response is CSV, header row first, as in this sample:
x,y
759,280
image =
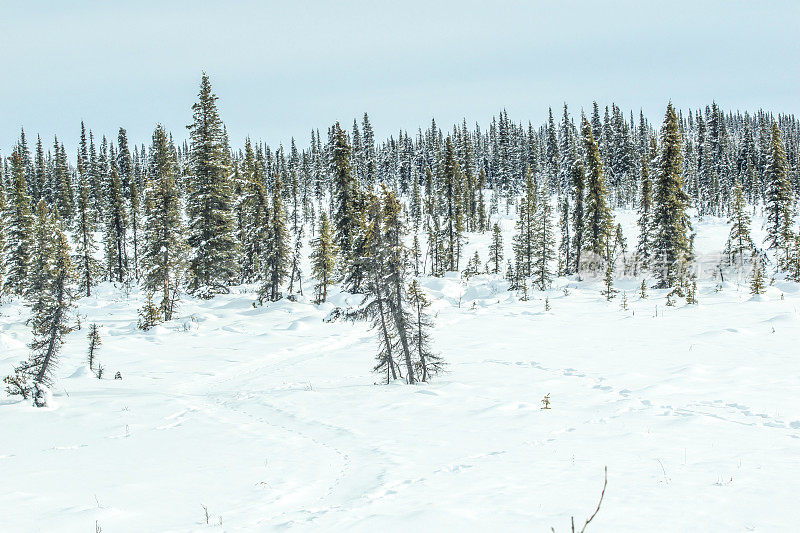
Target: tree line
x,y
199,216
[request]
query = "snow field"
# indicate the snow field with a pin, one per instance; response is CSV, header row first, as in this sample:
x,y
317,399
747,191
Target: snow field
x,y
271,417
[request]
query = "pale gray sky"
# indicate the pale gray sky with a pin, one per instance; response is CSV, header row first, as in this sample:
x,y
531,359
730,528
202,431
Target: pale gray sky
x,y
282,68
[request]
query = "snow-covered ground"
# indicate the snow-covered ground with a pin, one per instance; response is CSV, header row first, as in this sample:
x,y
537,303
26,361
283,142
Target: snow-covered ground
x,y
271,418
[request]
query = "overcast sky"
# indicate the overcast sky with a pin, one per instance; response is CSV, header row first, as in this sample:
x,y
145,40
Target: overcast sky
x,y
282,68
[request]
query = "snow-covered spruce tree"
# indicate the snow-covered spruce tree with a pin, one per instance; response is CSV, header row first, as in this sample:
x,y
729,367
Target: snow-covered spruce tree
x,y
164,250
50,305
427,363
496,249
18,224
645,220
116,254
598,217
87,267
212,265
544,245
323,259
276,252
525,237
739,244
778,200
253,206
671,244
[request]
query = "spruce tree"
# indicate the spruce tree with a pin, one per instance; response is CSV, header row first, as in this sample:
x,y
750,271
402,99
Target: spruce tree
x,y
671,245
396,262
496,248
757,278
473,266
427,362
375,304
116,253
124,161
135,218
87,266
38,186
19,226
645,222
739,240
345,193
295,271
50,305
2,235
608,281
545,251
149,314
164,249
40,272
323,259
62,182
277,253
578,212
525,238
94,344
451,184
416,251
356,268
416,203
210,233
794,262
598,217
778,200
564,250
253,206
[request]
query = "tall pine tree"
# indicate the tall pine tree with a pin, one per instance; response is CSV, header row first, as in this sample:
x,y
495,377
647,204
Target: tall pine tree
x,y
163,254
210,234
671,245
778,200
19,224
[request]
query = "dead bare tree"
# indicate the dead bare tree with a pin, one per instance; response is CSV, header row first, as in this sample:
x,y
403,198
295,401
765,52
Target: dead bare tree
x,y
599,503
